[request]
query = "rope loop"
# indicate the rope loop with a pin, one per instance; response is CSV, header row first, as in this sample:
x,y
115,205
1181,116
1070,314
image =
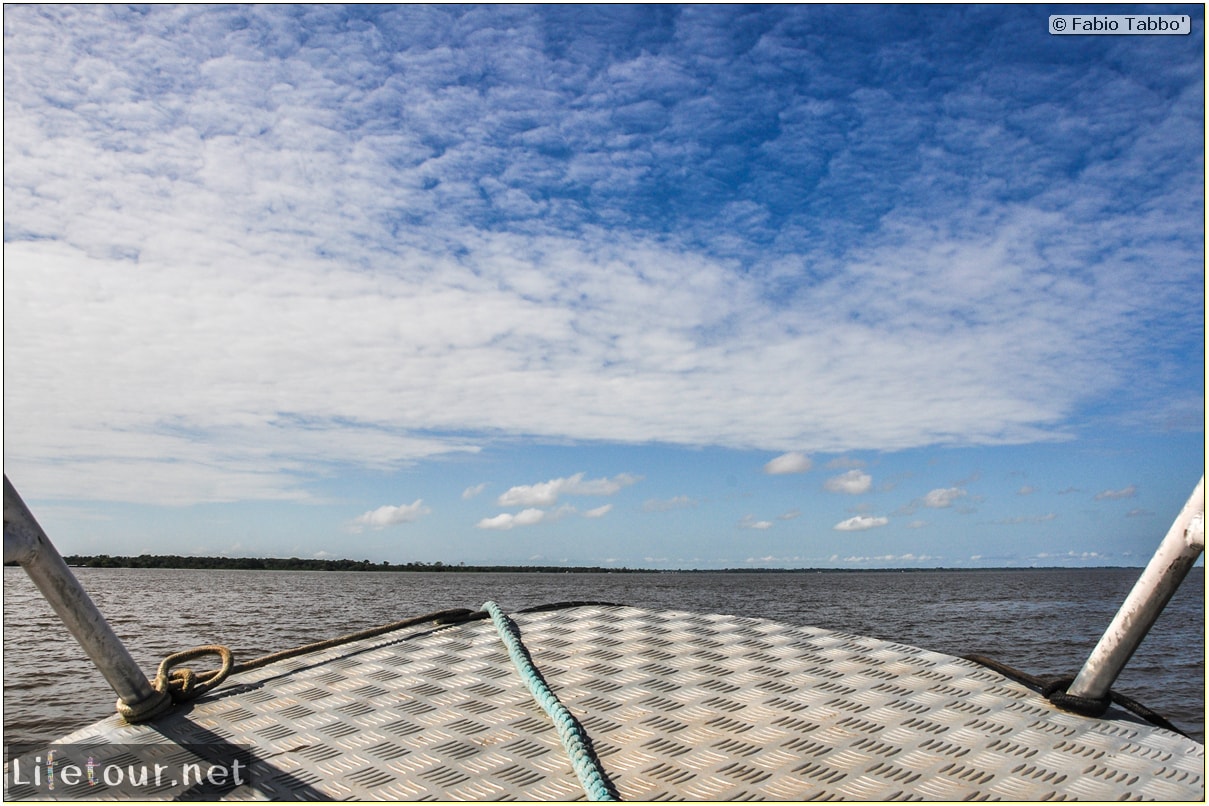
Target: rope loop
x,y
149,708
1055,691
186,684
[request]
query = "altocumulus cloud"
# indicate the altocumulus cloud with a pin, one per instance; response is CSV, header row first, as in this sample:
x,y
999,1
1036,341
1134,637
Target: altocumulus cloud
x,y
503,203
390,515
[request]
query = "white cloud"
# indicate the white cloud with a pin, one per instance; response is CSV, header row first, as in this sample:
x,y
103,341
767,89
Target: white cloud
x,y
543,495
1117,495
790,515
603,486
891,558
854,482
788,463
533,516
466,342
507,520
390,515
1082,556
750,522
860,523
599,512
1026,490
471,492
769,559
546,493
944,497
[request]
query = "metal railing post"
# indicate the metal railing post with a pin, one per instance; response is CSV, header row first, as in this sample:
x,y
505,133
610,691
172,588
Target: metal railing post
x,y
26,543
1185,541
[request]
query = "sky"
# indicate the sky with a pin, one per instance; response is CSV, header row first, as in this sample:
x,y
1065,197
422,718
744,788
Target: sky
x,y
627,286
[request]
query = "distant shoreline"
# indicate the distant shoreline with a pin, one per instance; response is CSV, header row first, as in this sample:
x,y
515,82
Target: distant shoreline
x,y
174,561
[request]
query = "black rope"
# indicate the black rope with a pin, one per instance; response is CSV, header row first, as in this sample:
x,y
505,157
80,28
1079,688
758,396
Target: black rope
x,y
563,605
1054,689
440,617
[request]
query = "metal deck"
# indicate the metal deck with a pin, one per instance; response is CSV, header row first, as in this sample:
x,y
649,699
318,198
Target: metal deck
x,y
678,706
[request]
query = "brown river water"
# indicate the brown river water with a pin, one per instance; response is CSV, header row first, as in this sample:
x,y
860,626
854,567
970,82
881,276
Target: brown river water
x,y
1040,621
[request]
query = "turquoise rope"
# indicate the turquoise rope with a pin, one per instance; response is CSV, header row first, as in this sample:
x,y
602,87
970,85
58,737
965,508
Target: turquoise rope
x,y
570,732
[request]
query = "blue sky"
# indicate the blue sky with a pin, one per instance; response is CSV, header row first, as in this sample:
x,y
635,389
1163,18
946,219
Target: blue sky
x,y
645,286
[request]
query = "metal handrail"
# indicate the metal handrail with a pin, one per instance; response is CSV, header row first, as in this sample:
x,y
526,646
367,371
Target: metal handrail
x,y
26,543
1184,543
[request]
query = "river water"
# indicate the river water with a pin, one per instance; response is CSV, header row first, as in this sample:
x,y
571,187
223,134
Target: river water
x,y
1040,621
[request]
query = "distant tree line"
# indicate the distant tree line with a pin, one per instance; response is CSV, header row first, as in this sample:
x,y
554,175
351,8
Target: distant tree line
x,y
299,564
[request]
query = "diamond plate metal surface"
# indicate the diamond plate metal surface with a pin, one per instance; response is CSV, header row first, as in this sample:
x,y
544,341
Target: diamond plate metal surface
x,y
679,706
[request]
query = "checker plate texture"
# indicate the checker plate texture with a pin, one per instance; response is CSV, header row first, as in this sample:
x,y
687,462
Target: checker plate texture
x,y
679,706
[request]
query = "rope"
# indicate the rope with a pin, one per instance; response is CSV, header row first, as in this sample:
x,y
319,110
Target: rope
x,y
180,685
545,608
455,616
1054,689
574,738
183,685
